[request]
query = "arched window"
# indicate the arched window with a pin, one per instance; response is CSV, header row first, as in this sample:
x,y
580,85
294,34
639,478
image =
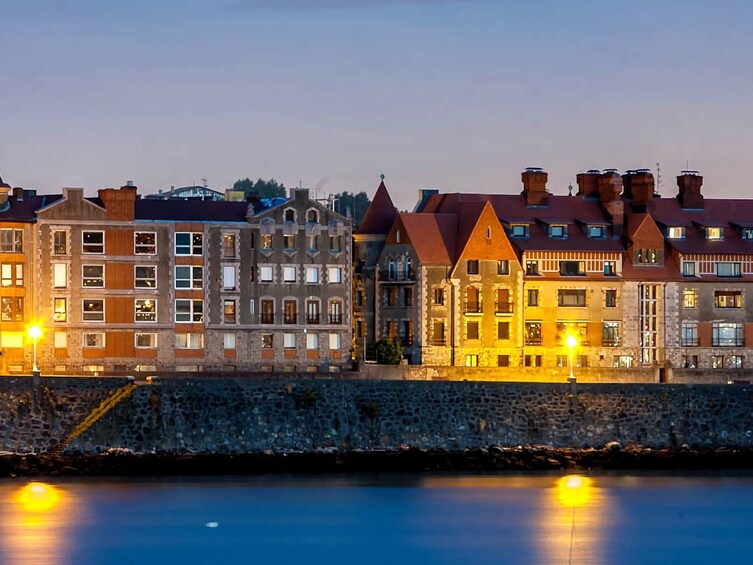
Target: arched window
x,y
391,269
400,266
397,236
312,216
408,274
290,215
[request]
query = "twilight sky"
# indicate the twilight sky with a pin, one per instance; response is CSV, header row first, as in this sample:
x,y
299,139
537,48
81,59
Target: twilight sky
x,y
459,95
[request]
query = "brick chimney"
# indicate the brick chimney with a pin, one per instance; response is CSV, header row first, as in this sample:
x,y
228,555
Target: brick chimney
x,y
610,187
534,187
689,183
588,183
119,203
639,187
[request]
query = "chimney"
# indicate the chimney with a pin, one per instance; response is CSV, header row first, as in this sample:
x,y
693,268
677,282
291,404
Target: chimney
x,y
610,186
120,203
689,183
588,183
18,192
534,187
423,197
639,187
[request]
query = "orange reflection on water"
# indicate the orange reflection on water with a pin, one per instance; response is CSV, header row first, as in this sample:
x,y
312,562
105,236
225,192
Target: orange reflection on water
x,y
37,523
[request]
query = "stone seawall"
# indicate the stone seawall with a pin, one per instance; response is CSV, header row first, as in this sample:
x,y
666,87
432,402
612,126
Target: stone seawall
x,y
240,416
281,414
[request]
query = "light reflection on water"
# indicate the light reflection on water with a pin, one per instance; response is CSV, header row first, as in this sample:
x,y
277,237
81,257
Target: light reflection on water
x,y
392,519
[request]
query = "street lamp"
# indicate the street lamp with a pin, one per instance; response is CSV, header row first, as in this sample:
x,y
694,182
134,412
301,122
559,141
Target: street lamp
x,y
571,342
35,332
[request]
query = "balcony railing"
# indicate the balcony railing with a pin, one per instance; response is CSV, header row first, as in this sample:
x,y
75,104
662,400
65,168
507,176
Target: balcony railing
x,y
312,318
504,308
439,341
610,342
397,276
533,341
267,318
406,341
690,342
290,319
335,318
474,308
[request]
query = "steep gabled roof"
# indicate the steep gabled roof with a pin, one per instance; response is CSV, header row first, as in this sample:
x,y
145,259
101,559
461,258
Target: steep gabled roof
x,y
432,236
380,215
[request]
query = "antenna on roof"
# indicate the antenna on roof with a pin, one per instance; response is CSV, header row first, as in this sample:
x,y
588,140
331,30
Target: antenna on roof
x,y
658,178
381,176
570,189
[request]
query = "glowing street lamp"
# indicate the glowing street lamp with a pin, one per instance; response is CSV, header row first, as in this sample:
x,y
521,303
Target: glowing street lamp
x,y
571,342
35,332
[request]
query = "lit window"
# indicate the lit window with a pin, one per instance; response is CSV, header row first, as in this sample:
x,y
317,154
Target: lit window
x,y
533,333
145,310
228,340
94,339
187,276
189,243
11,309
93,276
471,360
93,310
335,341
229,312
11,240
648,256
689,298
728,299
144,276
59,275
144,243
60,310
145,341
267,311
312,341
60,242
288,341
610,334
191,311
714,233
267,341
61,340
334,275
228,245
676,233
189,341
266,241
622,361
93,242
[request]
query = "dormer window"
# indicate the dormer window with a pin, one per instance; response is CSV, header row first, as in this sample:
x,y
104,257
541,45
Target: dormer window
x,y
714,233
747,233
676,232
312,216
519,230
290,215
558,230
596,231
397,236
648,257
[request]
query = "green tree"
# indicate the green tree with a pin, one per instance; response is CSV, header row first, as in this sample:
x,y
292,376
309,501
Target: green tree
x,y
356,204
261,188
388,351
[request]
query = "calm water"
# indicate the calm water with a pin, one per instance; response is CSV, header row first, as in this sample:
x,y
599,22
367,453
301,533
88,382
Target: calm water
x,y
410,520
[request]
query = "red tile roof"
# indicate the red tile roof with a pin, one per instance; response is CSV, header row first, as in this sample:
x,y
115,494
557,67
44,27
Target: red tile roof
x,y
380,215
432,236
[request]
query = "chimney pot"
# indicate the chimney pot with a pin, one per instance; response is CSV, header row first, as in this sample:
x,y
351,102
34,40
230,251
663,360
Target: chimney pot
x,y
534,186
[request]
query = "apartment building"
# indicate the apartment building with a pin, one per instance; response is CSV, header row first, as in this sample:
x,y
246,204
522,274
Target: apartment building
x,y
125,284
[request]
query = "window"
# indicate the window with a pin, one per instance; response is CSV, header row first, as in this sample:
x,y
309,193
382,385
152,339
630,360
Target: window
x,y
503,305
717,361
728,269
189,341
334,245
610,298
12,309
334,275
266,241
438,336
267,311
145,341
471,360
94,339
690,362
290,215
579,330
688,268
144,243
503,360
610,334
568,298
519,230
228,341
533,296
93,276
407,296
288,341
288,242
503,330
93,242
532,361
290,311
558,231
488,232
145,310
265,274
312,216
61,340
312,341
689,298
728,299
251,307
597,232
471,330
622,361
473,300
59,275
229,280
288,274
727,334
472,267
438,295
581,360
572,268
144,276
187,276
503,267
689,334
60,310
11,240
312,243
389,296
188,243
312,311
747,233
533,333
93,311
610,268
648,256
312,275
59,242
735,362
229,312
335,341
191,311
676,232
336,312
532,267
714,233
228,245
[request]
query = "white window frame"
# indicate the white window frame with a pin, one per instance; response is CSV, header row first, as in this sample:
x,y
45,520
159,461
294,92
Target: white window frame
x,y
334,275
93,278
192,248
229,277
100,342
192,279
190,340
195,315
143,282
149,316
289,341
54,248
91,318
152,340
144,248
59,275
335,341
289,274
312,269
92,246
266,274
312,341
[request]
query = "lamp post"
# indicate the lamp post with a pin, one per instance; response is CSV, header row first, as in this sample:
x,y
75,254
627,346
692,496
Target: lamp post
x,y
35,332
571,342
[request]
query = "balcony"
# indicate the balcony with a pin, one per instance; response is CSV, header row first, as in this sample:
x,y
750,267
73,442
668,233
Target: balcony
x,y
503,308
267,318
533,341
335,318
611,342
474,308
439,341
386,276
290,318
690,342
312,319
